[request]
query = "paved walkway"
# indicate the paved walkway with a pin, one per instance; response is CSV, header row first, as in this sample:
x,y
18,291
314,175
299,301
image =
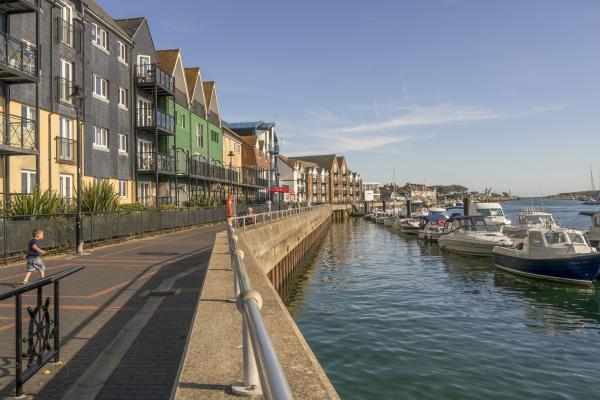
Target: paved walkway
x,y
117,341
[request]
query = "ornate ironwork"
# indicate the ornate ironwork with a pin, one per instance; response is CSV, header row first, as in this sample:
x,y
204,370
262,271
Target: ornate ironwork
x,y
41,331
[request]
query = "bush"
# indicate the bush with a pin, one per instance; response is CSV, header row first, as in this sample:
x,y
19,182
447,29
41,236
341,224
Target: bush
x,y
99,197
38,203
201,200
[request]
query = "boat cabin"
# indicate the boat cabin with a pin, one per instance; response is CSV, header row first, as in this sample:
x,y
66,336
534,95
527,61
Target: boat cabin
x,y
554,241
469,223
532,217
594,232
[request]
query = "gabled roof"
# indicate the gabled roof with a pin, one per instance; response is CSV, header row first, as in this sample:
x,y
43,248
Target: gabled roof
x,y
289,162
167,59
323,161
131,25
191,77
231,133
208,88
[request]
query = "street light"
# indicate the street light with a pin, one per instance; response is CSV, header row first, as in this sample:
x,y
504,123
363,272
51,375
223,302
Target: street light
x,y
231,154
78,97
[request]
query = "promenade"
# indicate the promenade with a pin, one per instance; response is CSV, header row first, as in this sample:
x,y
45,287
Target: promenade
x,y
120,340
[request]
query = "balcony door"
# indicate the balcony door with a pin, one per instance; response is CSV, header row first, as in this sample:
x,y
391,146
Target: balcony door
x,y
145,150
66,14
65,149
144,112
66,79
145,65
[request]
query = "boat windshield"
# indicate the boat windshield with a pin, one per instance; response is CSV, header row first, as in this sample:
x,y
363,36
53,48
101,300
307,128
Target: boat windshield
x,y
555,238
533,220
577,238
490,212
478,225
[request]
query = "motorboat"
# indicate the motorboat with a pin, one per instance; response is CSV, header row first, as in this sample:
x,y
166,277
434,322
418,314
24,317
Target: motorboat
x,y
530,218
492,212
553,253
410,225
593,234
431,227
471,235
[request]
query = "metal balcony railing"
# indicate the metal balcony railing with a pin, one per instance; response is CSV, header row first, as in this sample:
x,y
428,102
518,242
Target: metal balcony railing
x,y
151,75
65,150
154,118
156,162
18,132
68,34
18,60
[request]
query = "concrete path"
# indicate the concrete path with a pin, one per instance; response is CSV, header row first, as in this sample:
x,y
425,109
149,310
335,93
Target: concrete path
x,y
118,342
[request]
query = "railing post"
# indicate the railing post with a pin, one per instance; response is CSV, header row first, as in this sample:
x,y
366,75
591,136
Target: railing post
x,y
18,346
56,331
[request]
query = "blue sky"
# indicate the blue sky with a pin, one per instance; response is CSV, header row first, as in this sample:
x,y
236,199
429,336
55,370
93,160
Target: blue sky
x,y
503,94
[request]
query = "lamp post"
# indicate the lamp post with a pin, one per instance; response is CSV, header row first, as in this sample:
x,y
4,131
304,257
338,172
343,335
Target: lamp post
x,y
78,97
231,154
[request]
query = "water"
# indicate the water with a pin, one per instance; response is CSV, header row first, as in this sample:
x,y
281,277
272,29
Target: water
x,y
389,317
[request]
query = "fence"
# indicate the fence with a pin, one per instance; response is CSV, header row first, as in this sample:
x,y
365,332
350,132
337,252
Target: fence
x,y
43,335
262,370
59,229
261,218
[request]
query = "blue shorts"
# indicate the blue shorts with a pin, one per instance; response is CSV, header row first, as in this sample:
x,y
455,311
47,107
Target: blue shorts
x,y
35,264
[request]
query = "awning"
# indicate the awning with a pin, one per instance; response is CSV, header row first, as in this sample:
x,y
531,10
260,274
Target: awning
x,y
281,190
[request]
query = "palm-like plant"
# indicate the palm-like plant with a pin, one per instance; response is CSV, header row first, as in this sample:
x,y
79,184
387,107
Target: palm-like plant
x,y
99,197
37,203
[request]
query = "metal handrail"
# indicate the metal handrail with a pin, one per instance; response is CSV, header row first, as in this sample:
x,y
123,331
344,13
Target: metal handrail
x,y
260,359
254,219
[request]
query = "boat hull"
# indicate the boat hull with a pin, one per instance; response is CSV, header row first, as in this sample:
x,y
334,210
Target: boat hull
x,y
472,248
429,236
580,269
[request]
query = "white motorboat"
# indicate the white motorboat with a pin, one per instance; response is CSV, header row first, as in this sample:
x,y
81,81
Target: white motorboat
x,y
432,227
530,218
410,225
493,213
552,253
471,235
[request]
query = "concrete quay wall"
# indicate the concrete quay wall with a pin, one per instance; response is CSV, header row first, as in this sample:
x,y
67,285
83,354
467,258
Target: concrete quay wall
x,y
213,358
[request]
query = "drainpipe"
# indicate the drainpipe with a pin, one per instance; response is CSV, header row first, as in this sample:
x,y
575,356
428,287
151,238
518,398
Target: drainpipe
x,y
51,91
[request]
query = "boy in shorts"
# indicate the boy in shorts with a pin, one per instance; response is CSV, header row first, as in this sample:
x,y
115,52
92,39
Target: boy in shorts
x,y
34,261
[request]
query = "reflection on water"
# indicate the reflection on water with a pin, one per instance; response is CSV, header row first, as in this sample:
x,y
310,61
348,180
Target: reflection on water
x,y
390,317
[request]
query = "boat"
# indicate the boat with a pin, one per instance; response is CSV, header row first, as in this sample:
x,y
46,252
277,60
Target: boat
x,y
593,234
530,218
410,226
432,227
471,235
594,199
492,212
555,253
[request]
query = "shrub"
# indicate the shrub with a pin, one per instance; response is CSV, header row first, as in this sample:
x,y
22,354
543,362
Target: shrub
x,y
38,203
99,197
201,200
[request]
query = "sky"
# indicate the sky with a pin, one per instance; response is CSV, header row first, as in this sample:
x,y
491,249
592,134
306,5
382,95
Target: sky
x,y
502,94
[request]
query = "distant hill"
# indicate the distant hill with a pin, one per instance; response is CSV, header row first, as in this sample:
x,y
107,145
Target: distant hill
x,y
447,189
570,195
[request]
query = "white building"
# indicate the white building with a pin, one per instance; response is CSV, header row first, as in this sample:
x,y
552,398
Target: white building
x,y
371,191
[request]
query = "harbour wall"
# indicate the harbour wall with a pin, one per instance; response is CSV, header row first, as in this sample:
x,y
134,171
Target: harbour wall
x,y
273,252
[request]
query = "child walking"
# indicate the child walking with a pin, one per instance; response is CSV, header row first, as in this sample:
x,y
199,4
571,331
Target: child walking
x,y
34,261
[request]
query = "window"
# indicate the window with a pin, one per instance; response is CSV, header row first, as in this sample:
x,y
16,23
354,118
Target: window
x,y
536,239
123,189
65,142
123,143
181,118
65,81
123,97
199,135
145,112
144,192
99,37
98,181
100,138
214,136
28,115
100,87
65,29
66,186
65,128
122,52
28,181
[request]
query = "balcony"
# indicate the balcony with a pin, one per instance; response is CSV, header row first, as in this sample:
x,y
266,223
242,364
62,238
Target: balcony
x,y
152,78
65,150
18,61
156,162
18,6
154,120
17,135
68,34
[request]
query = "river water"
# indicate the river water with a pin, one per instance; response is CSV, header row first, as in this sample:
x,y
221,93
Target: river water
x,y
390,317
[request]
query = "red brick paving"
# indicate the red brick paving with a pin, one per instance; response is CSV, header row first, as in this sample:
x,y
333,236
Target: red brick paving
x,y
97,302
